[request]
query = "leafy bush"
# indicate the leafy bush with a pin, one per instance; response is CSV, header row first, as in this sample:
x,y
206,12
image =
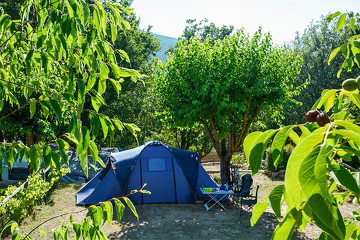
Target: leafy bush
x,y
282,166
22,204
238,158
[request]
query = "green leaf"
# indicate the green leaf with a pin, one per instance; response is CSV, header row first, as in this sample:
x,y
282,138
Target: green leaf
x,y
84,163
72,138
96,215
330,99
312,172
29,56
118,124
341,115
104,71
293,195
119,206
115,70
258,149
123,55
276,198
57,109
279,143
258,210
331,16
102,86
352,25
124,25
357,59
98,96
116,85
341,22
314,107
324,217
95,125
91,82
42,232
64,43
104,126
95,104
286,228
94,154
348,125
34,158
86,11
77,230
63,146
327,99
350,229
56,160
333,55
302,222
84,141
107,211
47,155
343,177
113,32
354,136
305,132
249,143
32,109
131,206
91,36
294,137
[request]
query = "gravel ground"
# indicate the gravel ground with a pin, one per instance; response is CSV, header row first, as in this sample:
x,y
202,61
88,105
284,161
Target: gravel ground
x,y
171,221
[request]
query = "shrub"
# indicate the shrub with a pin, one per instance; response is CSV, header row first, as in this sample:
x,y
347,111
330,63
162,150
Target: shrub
x,y
22,204
238,158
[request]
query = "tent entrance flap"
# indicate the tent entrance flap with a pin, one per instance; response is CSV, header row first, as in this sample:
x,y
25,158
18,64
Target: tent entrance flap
x,y
158,174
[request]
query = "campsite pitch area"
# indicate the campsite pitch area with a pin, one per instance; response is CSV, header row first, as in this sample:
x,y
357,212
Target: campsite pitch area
x,y
170,221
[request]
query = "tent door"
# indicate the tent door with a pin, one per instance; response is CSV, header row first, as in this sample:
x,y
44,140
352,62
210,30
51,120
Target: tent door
x,y
158,174
135,183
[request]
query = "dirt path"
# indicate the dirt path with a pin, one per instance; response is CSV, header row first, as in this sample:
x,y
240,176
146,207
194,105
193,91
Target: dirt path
x,y
169,221
190,221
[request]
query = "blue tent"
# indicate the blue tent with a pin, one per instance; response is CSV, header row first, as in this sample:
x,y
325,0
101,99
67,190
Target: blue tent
x,y
172,175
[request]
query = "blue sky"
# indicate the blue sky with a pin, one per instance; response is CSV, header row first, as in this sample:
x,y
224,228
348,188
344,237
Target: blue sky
x,y
282,18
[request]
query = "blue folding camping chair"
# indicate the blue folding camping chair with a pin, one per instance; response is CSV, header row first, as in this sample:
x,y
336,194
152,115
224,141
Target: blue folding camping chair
x,y
243,193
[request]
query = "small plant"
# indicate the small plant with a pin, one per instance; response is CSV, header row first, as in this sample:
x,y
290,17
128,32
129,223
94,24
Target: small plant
x,y
238,158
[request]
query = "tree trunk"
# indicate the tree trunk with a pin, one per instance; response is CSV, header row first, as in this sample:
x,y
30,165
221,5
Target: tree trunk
x,y
225,168
30,140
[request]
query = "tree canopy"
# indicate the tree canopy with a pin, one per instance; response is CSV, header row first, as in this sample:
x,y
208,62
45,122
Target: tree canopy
x,y
203,30
56,61
224,85
134,104
316,45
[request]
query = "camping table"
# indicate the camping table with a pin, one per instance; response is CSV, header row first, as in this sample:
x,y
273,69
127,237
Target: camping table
x,y
216,196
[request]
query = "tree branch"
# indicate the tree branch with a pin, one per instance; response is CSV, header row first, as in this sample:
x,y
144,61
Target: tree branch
x,y
22,85
241,138
207,128
244,123
216,136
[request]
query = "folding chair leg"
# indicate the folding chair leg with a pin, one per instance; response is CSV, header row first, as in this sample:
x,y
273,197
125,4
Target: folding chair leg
x,y
241,208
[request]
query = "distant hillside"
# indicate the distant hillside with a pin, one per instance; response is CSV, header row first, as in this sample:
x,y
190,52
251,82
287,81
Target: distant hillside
x,y
165,44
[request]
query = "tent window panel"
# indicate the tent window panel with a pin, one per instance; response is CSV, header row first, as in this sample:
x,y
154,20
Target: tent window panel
x,y
157,164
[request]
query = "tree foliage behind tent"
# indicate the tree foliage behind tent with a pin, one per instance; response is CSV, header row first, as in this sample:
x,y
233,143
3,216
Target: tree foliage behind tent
x,y
224,86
